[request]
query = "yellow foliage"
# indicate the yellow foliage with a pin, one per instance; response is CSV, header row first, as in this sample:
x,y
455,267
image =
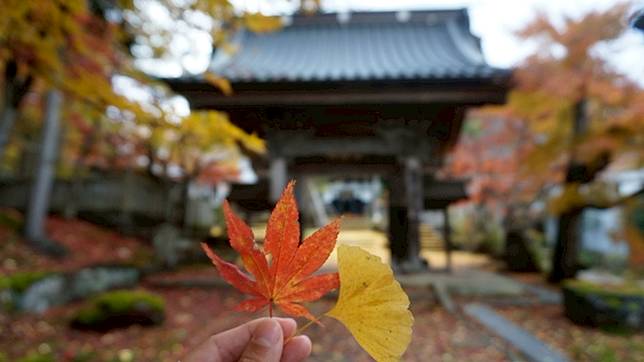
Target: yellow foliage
x,y
209,128
569,198
372,304
222,83
259,23
574,195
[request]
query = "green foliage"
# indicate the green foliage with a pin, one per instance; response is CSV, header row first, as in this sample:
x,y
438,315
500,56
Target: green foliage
x,y
38,357
118,302
606,290
614,263
11,219
603,351
540,249
19,282
473,231
85,356
637,216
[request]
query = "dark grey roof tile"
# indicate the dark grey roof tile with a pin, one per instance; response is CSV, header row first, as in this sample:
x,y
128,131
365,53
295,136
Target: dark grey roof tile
x,y
369,46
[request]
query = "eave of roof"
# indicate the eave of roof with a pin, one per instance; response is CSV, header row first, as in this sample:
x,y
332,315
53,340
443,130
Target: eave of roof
x,y
371,57
358,46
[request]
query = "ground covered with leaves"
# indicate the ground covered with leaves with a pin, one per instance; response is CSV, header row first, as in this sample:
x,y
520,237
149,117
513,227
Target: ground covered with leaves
x,y
88,244
193,314
548,323
199,304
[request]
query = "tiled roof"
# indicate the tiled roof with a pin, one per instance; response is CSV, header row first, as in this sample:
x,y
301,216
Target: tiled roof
x,y
367,46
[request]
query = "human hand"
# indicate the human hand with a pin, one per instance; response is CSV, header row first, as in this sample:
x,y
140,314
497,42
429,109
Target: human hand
x,y
261,340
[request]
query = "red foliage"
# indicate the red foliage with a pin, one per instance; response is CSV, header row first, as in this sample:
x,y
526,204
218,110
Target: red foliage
x,y
89,244
286,281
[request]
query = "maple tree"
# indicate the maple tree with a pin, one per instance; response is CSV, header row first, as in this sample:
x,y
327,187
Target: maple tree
x,y
489,154
585,113
568,117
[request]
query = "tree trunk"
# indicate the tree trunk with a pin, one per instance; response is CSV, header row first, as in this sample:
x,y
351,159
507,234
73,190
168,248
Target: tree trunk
x,y
76,187
564,262
7,120
15,89
43,181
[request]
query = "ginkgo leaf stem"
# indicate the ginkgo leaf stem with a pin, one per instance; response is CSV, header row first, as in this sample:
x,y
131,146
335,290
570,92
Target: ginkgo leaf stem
x,y
303,328
307,325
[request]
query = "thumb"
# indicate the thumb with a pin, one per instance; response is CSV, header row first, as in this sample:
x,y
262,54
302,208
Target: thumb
x,y
266,343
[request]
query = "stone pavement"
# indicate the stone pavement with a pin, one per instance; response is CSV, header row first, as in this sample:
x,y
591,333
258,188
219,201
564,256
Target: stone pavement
x,y
466,279
522,340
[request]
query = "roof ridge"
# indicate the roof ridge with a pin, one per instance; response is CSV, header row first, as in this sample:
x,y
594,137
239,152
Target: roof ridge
x,y
376,17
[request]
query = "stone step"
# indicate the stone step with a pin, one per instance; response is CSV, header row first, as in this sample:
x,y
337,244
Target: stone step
x,y
526,343
430,239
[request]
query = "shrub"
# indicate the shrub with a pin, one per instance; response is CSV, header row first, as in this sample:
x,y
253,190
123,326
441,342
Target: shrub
x,y
11,219
629,289
120,308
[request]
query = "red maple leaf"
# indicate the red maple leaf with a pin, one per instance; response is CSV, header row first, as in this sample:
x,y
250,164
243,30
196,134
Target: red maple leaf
x,y
287,280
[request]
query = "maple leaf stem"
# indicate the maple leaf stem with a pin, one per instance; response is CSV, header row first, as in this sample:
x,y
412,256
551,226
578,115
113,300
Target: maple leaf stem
x,y
270,310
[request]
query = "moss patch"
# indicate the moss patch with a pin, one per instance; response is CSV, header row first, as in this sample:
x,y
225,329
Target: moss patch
x,y
38,357
11,219
120,308
627,289
19,282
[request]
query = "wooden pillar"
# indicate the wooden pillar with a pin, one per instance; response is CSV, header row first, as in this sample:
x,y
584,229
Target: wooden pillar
x,y
397,212
415,203
405,208
278,177
447,238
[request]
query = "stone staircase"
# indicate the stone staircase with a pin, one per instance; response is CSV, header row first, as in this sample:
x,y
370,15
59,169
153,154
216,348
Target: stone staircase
x,y
430,238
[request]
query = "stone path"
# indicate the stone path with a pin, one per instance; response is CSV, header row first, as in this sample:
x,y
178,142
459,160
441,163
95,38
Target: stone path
x,y
544,295
467,282
525,342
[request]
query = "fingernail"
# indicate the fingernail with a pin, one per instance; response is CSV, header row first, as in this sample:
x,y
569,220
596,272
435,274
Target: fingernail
x,y
267,333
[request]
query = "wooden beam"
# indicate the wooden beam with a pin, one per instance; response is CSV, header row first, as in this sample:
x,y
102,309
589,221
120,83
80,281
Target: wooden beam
x,y
343,169
201,99
391,143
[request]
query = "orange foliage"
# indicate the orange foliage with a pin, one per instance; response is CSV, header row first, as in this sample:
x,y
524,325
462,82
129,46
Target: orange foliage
x,y
528,143
287,281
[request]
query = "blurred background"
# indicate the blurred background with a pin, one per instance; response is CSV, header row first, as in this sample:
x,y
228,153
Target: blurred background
x,y
491,151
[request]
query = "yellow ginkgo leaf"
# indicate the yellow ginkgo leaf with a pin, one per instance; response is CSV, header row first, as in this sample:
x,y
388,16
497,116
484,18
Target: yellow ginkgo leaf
x,y
372,305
